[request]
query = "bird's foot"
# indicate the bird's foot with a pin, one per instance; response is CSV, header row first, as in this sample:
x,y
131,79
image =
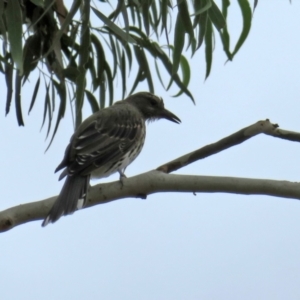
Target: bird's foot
x,y
142,196
122,178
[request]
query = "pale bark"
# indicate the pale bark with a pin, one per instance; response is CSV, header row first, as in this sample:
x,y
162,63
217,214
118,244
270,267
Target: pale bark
x,y
159,180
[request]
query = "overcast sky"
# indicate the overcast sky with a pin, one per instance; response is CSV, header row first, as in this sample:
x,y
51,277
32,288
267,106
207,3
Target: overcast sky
x,y
172,246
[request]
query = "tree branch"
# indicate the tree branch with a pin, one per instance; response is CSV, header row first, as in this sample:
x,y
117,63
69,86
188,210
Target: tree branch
x,y
158,181
234,139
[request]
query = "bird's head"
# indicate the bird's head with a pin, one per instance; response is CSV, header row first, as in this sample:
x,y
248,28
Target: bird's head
x,y
151,106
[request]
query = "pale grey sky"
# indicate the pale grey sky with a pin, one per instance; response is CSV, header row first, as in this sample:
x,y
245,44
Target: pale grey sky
x,y
172,246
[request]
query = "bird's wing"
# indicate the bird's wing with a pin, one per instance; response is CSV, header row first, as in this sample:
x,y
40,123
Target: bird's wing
x,y
103,141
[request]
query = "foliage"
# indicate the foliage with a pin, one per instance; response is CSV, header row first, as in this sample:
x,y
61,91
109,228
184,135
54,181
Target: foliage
x,y
67,47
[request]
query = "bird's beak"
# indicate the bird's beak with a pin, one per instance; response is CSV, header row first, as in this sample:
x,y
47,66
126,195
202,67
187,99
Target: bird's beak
x,y
166,114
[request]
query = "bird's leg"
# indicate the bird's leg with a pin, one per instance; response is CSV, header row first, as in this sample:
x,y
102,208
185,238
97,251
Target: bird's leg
x,y
122,176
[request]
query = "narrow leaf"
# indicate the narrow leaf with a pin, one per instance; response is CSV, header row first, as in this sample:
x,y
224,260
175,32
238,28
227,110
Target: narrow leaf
x,y
129,56
203,19
14,28
183,11
114,53
31,54
255,4
61,89
92,101
247,17
145,14
100,56
216,16
139,77
208,48
186,73
102,93
2,19
225,37
158,74
46,104
9,85
164,15
117,30
110,83
178,43
35,91
123,74
18,80
142,60
168,65
205,8
39,3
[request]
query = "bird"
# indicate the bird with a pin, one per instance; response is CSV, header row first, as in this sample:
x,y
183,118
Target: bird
x,y
105,143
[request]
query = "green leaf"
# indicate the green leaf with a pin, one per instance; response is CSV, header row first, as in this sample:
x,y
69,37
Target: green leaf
x,y
117,30
109,83
203,19
205,8
49,110
61,90
39,3
186,73
216,16
208,48
102,94
67,21
100,56
31,55
145,13
183,11
125,15
255,4
2,25
247,17
14,28
123,74
178,43
18,80
91,67
129,56
9,85
114,53
139,77
84,56
164,15
92,101
154,18
46,104
225,37
119,57
143,63
155,50
158,74
71,73
35,91
225,5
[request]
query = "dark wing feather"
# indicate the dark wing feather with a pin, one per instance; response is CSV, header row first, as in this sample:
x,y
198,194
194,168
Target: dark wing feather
x,y
100,141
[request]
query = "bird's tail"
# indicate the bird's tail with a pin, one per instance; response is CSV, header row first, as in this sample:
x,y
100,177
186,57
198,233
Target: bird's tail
x,y
74,189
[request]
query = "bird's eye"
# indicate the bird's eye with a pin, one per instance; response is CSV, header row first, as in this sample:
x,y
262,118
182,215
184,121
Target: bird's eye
x,y
153,102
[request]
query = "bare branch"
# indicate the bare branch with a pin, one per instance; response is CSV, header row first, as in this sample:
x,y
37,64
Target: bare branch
x,y
158,181
234,139
154,182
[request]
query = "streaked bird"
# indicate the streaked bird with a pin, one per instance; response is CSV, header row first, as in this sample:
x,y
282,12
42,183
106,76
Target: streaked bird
x,y
105,143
